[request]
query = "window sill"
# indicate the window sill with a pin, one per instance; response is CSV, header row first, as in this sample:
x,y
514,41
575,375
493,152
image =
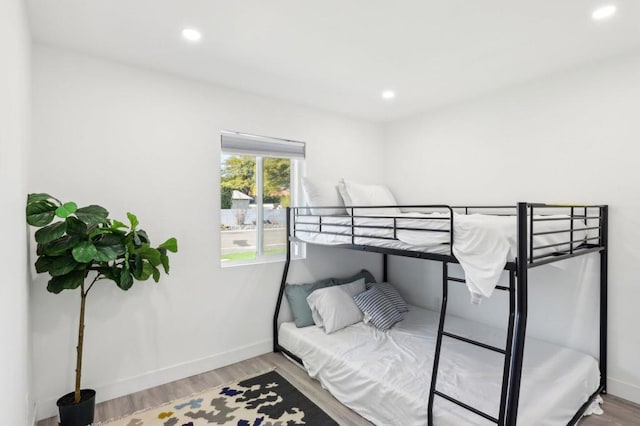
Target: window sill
x,y
233,263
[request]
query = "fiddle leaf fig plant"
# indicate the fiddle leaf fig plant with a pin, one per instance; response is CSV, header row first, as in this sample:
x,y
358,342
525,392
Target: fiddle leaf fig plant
x,y
79,246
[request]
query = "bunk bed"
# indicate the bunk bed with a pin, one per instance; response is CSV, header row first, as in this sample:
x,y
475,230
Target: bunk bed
x,y
521,237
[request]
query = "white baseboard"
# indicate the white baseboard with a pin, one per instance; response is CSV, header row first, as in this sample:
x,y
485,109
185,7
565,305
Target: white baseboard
x,y
623,390
105,392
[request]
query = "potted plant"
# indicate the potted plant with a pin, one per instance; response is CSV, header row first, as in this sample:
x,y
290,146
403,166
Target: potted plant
x,y
78,247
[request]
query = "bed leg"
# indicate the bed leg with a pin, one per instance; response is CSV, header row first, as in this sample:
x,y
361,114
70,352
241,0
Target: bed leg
x,y
436,355
508,350
520,319
604,237
283,283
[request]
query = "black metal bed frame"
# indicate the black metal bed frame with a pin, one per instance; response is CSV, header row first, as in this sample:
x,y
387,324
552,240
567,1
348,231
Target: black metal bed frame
x,y
517,288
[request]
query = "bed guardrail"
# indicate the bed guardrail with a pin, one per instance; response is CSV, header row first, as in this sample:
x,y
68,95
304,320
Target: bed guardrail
x,y
359,226
357,217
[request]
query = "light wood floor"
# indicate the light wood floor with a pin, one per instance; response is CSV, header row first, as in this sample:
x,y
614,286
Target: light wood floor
x,y
617,411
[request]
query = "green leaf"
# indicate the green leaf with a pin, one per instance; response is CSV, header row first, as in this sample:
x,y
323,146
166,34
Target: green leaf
x,y
133,220
128,249
105,254
171,244
76,227
101,231
109,247
59,246
165,260
62,265
117,224
55,285
142,234
84,252
136,239
51,232
66,209
116,241
92,215
109,272
34,198
147,271
126,280
40,213
135,262
69,281
43,264
149,253
156,274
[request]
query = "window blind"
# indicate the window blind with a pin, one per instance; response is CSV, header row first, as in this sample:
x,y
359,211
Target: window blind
x,y
243,143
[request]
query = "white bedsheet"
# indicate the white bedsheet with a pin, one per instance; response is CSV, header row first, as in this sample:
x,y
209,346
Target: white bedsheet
x,y
385,377
482,243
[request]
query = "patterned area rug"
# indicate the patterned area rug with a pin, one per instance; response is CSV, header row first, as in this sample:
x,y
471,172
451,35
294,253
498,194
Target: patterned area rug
x,y
264,400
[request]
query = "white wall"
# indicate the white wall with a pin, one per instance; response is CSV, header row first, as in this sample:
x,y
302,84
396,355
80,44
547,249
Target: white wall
x,y
15,52
141,141
571,137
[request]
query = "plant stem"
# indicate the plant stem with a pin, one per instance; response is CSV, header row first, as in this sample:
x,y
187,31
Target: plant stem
x,y
83,299
98,277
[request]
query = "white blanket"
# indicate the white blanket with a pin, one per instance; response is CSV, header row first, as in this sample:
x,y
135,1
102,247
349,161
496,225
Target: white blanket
x,y
482,243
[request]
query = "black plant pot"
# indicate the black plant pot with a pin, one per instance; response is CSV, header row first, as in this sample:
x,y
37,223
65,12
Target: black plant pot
x,y
80,414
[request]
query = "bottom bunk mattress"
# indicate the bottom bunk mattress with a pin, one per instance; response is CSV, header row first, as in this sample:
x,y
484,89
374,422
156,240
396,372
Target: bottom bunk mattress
x,y
385,376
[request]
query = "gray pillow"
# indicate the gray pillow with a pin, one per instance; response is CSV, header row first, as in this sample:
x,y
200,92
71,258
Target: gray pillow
x,y
368,278
297,296
377,308
392,294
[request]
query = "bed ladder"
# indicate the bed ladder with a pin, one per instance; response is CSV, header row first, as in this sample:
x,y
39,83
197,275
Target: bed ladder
x,y
507,352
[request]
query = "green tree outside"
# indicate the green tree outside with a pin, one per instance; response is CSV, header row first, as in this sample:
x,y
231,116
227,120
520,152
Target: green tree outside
x,y
238,172
225,197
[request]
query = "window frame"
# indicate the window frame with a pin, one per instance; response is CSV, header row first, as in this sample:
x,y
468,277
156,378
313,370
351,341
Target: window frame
x,y
296,173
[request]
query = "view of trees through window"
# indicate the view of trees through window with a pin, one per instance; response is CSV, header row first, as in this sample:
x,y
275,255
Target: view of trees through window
x,y
255,192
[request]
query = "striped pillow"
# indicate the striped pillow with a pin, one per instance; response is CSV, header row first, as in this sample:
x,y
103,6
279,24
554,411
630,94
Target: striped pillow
x,y
392,294
377,309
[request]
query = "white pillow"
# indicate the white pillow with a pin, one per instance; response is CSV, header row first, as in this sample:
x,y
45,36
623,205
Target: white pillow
x,y
319,193
342,189
333,307
370,195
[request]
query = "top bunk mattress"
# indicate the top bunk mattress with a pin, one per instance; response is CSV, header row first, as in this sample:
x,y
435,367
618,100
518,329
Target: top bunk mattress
x,y
385,376
482,243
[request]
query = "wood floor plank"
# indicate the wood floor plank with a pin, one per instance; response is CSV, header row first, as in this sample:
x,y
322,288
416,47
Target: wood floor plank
x,y
618,412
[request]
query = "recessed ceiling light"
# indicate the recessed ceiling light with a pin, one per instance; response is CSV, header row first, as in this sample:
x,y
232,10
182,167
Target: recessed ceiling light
x,y
191,34
604,12
388,94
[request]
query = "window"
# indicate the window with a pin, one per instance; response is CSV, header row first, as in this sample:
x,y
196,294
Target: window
x,y
259,179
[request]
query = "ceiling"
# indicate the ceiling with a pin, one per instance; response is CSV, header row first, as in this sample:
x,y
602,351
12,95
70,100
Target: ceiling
x,y
339,55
